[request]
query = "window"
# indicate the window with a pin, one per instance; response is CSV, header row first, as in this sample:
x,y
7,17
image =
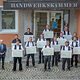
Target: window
x,y
8,21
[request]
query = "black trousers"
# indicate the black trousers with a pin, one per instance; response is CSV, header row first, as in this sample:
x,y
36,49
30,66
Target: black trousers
x,y
15,61
33,60
41,57
63,63
2,58
46,60
55,58
76,60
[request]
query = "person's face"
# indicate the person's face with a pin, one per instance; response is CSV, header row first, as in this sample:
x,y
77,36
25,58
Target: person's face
x,y
66,28
16,37
47,26
28,30
74,38
75,34
30,39
66,43
41,36
17,42
61,34
55,39
48,43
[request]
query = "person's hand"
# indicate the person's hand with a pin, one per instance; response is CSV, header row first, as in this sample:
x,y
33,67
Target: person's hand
x,y
71,46
60,53
1,53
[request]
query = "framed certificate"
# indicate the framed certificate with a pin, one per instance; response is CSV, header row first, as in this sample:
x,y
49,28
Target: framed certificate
x,y
40,44
48,51
61,42
17,53
66,54
49,34
31,50
56,48
26,37
68,37
76,50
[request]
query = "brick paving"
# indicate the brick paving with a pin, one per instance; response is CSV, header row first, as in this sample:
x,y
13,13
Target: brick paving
x,y
38,73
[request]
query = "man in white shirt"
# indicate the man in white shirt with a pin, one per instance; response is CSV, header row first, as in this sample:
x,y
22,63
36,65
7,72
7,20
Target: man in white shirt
x,y
66,47
73,44
40,53
17,47
46,58
66,31
30,43
56,54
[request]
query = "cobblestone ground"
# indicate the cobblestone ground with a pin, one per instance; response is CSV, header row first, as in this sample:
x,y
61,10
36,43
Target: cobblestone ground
x,y
38,73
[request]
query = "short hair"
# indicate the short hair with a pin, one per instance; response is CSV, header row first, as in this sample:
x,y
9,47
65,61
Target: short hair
x,y
28,28
67,42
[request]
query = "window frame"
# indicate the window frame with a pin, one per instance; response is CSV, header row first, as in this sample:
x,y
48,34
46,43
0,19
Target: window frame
x,y
3,31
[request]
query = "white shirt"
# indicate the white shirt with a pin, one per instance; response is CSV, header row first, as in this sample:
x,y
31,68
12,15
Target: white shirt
x,y
55,43
47,30
41,39
74,44
30,44
44,48
17,47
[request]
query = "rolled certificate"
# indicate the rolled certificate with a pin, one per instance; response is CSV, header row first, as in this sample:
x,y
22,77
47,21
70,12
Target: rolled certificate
x,y
17,53
31,50
66,54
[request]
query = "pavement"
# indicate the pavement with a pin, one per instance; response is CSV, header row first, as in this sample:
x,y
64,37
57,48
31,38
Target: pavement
x,y
38,73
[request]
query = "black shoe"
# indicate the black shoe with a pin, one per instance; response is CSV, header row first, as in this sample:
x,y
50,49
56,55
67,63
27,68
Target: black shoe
x,y
76,66
71,65
3,68
20,70
13,70
49,69
52,65
34,66
27,66
68,69
63,69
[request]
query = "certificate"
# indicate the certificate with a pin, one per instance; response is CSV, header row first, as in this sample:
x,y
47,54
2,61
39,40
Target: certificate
x,y
48,51
56,48
31,50
26,37
48,34
66,54
17,53
68,37
76,50
40,44
61,42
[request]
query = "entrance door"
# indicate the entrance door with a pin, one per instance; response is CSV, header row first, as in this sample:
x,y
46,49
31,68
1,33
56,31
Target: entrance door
x,y
41,18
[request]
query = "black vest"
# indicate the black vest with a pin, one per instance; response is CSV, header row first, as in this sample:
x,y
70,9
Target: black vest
x,y
46,29
40,39
73,38
46,46
76,44
65,33
56,42
64,47
28,44
62,37
16,47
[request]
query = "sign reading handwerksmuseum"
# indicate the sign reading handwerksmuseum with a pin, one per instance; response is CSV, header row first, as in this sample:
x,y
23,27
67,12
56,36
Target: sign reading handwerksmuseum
x,y
39,5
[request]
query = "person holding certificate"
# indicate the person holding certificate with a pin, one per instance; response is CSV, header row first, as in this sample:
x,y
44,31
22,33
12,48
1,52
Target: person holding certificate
x,y
55,56
17,47
66,48
73,44
75,35
66,31
61,36
28,32
30,43
2,52
46,58
16,39
40,53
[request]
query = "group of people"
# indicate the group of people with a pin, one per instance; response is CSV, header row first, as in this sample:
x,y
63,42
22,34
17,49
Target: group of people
x,y
44,59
